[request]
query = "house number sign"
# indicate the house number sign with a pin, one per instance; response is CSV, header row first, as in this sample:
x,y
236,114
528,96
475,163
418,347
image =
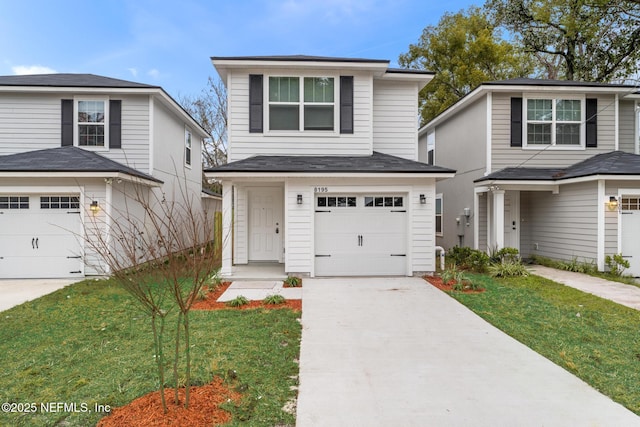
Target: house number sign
x,y
320,189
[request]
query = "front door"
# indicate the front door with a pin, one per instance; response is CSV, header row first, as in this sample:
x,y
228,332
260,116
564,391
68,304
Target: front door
x,y
265,224
511,219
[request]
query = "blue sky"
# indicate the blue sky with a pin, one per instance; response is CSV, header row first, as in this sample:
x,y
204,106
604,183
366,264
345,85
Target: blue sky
x,y
169,43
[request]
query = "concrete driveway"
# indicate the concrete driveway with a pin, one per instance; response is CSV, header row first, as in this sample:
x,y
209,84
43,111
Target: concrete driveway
x,y
17,291
398,352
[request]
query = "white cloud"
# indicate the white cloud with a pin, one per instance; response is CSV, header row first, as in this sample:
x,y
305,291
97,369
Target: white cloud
x,y
154,73
133,71
32,69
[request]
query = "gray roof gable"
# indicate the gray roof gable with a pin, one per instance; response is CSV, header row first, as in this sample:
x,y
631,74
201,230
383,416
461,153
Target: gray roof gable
x,y
66,159
376,163
612,163
70,80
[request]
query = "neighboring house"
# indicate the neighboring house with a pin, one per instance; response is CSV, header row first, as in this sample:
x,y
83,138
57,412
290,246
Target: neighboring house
x,y
323,174
548,167
75,148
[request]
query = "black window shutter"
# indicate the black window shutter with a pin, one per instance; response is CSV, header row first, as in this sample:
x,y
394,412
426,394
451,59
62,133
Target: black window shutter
x,y
115,124
516,122
592,122
346,104
67,122
255,103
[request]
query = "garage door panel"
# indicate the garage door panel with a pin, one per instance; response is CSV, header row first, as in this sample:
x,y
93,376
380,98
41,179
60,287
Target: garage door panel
x,y
12,267
630,243
360,240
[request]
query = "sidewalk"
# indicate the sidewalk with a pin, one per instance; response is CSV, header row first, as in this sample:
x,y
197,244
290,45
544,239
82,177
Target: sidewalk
x,y
620,293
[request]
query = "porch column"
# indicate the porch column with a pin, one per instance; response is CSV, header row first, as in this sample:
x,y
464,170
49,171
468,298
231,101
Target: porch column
x,y
498,218
227,227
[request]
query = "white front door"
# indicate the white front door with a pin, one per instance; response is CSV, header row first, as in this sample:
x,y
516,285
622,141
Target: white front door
x,y
40,236
630,233
266,226
360,235
511,219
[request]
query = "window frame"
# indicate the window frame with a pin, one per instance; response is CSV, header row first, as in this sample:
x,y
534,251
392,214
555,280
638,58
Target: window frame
x,y
436,215
553,122
301,106
77,123
188,147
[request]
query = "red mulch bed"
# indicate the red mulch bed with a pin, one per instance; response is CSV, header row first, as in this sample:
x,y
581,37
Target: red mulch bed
x,y
203,408
211,303
448,287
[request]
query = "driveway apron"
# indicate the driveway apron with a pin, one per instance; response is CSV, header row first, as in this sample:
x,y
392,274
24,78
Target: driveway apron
x,y
399,352
17,291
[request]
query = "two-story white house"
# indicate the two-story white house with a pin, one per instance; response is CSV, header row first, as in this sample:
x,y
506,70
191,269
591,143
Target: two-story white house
x,y
76,151
323,174
551,168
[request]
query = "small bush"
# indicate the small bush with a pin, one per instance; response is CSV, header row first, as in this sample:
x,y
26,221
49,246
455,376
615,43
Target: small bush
x,y
202,294
238,301
460,280
292,282
508,268
216,279
274,299
468,259
616,264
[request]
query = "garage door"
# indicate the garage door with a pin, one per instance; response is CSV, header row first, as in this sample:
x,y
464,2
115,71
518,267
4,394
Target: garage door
x,y
630,229
39,236
359,235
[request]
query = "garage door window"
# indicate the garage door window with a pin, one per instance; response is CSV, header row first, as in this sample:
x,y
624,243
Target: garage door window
x,y
631,203
337,202
14,202
383,201
59,202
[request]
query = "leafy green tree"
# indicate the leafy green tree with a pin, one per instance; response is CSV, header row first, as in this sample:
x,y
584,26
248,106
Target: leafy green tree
x,y
464,49
588,40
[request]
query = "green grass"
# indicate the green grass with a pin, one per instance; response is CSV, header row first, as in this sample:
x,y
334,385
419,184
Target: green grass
x,y
89,343
595,339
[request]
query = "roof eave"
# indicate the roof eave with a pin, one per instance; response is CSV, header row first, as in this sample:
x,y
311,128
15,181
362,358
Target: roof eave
x,y
325,174
72,174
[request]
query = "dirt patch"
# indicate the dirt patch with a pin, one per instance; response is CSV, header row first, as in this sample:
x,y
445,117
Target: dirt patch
x,y
448,287
211,303
203,408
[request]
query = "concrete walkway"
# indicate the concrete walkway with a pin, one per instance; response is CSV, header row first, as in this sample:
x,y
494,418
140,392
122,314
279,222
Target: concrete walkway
x,y
399,352
256,290
617,292
17,291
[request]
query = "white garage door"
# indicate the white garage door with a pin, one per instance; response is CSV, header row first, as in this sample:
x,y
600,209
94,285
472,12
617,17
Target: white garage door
x,y
38,236
360,235
630,229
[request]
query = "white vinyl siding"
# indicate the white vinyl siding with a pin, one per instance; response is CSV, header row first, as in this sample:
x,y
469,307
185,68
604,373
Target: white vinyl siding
x,y
299,221
627,126
563,225
29,122
243,144
395,119
503,155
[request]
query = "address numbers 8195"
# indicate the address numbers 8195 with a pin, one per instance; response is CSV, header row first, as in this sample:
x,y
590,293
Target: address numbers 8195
x,y
320,189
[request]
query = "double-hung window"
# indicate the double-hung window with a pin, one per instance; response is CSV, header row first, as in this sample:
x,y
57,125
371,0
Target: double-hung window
x,y
554,122
187,147
439,215
302,103
90,118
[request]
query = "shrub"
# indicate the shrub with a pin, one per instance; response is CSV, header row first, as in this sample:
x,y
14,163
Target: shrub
x,y
274,299
238,301
508,268
216,279
468,259
616,264
292,282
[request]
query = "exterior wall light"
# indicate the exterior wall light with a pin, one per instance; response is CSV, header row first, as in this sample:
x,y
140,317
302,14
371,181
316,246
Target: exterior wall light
x,y
93,207
299,199
612,204
423,199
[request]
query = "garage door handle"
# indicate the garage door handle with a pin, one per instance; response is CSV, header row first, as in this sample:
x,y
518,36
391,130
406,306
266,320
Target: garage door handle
x,y
398,254
323,256
37,243
33,243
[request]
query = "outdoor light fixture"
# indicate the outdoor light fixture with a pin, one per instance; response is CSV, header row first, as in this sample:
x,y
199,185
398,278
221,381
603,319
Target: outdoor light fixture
x,y
612,204
423,199
93,207
299,199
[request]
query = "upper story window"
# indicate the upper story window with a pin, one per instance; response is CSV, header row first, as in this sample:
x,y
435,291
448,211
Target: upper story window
x,y
91,123
187,147
311,110
554,122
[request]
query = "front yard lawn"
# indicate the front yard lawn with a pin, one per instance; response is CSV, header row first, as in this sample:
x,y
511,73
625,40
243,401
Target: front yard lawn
x,y
595,339
90,344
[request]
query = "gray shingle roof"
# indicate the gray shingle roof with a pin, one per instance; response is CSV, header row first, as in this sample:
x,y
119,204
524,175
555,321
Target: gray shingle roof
x,y
70,80
66,159
376,163
612,163
303,58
